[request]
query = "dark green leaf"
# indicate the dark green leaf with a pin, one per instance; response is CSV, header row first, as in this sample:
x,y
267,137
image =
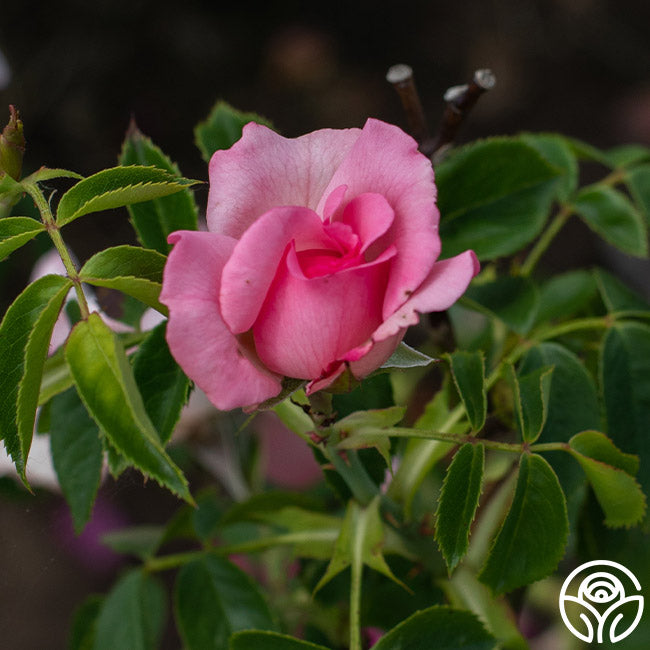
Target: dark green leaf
x,y
494,197
616,295
514,300
250,640
407,357
458,502
82,634
531,395
555,149
115,188
16,231
610,214
25,334
610,473
638,182
438,628
141,541
223,128
76,453
130,269
213,599
155,220
531,541
468,371
163,385
625,375
96,358
132,615
628,155
586,151
565,295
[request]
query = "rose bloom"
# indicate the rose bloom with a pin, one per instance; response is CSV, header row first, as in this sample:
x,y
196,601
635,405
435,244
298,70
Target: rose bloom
x,y
320,252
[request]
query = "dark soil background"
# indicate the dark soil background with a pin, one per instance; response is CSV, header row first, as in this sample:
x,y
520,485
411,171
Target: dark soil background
x,y
80,70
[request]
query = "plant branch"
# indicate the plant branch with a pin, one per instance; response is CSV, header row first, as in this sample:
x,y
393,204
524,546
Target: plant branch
x,y
401,78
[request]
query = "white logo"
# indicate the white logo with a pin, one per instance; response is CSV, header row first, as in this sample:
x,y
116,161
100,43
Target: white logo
x,y
601,596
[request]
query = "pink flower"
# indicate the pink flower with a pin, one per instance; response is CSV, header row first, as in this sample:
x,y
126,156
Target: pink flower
x,y
320,252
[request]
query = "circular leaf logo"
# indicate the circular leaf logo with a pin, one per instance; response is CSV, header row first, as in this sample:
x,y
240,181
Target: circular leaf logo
x,y
594,605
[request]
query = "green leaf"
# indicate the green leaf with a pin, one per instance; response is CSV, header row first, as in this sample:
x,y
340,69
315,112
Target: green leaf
x,y
213,599
16,231
610,472
407,357
133,270
155,220
531,541
628,155
625,376
25,334
458,502
588,152
616,295
76,454
115,188
96,358
494,197
531,396
638,182
359,542
141,541
468,371
82,633
610,214
514,300
565,295
223,128
438,628
555,149
56,377
47,174
132,615
249,640
163,385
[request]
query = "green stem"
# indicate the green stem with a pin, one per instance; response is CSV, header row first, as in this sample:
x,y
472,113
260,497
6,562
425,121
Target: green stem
x,y
356,571
59,244
545,240
354,474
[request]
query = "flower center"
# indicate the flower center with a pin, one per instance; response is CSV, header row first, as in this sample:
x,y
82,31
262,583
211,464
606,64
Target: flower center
x,y
345,251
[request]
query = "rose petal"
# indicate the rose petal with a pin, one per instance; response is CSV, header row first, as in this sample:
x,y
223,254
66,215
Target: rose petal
x,y
446,282
263,170
384,160
370,216
198,338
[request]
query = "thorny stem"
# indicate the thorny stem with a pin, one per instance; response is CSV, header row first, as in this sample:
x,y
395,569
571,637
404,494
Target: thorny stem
x,y
59,244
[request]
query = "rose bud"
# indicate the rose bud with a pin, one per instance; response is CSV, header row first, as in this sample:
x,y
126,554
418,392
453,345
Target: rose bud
x,y
12,146
320,252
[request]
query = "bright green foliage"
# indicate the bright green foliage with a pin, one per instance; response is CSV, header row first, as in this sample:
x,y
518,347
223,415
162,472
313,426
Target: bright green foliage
x,y
531,541
625,376
96,358
135,271
514,300
16,231
494,197
611,474
438,628
213,599
154,220
531,395
163,385
610,214
468,371
250,640
132,615
47,174
458,502
115,188
222,128
24,339
76,453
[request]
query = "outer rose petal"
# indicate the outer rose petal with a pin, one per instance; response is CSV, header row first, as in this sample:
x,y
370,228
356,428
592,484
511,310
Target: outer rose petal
x,y
198,337
384,160
263,170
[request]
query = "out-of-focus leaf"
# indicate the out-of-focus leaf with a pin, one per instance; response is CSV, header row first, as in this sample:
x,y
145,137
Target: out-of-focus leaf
x,y
155,220
16,231
638,182
616,295
252,640
531,541
565,295
141,541
458,502
82,633
25,334
628,155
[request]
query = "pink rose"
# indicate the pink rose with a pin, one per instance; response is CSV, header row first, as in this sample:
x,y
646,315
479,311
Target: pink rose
x,y
320,252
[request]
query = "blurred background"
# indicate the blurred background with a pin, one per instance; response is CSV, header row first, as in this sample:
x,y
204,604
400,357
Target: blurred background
x,y
79,71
